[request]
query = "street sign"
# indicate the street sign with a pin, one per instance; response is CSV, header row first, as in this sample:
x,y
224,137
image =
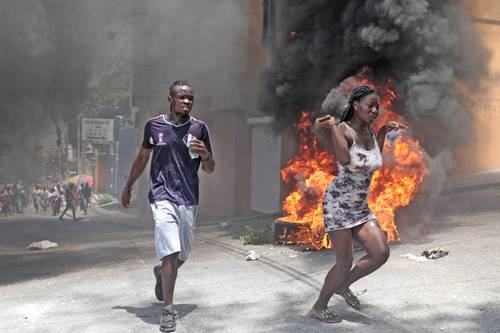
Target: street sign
x,y
96,130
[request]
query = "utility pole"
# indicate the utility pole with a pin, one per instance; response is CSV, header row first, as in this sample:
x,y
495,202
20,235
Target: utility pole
x,y
78,145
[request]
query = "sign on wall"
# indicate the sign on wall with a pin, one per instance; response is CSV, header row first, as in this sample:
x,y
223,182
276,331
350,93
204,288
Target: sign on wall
x,y
97,130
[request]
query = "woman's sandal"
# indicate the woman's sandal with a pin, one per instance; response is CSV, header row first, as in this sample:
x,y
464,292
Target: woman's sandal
x,y
325,316
350,299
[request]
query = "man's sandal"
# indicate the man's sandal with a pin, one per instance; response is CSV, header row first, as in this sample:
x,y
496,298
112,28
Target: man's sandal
x,y
350,299
325,316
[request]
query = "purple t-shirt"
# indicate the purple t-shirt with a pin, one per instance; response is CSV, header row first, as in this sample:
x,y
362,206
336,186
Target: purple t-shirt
x,y
174,174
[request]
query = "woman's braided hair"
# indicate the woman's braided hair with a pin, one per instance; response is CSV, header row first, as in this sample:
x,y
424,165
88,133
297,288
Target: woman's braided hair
x,y
356,94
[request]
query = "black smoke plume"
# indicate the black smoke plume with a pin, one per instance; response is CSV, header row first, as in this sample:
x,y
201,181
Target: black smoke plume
x,y
430,49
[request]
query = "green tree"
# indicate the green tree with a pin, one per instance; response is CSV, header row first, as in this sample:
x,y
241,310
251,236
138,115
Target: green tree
x,y
111,95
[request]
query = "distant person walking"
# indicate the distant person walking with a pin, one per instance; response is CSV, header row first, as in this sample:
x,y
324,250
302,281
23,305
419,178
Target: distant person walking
x,y
71,197
54,201
4,201
87,194
35,195
180,144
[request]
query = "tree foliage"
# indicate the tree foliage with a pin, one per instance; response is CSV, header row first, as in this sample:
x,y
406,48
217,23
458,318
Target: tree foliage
x,y
111,95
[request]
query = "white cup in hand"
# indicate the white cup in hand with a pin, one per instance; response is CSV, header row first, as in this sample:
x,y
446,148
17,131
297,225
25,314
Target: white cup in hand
x,y
187,139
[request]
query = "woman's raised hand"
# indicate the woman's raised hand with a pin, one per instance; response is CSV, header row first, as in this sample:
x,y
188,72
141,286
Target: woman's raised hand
x,y
325,122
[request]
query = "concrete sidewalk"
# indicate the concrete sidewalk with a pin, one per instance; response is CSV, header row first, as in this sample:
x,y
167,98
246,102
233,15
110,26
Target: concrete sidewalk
x,y
100,280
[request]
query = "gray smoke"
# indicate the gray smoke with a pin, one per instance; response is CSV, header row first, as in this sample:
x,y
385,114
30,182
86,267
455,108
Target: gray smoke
x,y
57,48
49,50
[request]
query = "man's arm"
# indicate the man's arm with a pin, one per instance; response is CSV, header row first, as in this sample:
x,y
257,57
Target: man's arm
x,y
208,164
204,149
140,162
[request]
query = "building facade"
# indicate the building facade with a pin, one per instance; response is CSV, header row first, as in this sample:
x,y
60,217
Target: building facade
x,y
221,47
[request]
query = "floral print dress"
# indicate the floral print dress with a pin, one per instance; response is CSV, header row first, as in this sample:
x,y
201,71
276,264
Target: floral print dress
x,y
345,203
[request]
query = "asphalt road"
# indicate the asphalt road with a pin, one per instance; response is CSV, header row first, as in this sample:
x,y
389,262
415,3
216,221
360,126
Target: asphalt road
x,y
100,279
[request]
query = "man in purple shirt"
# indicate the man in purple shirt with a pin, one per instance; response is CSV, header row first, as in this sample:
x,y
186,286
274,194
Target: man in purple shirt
x,y
180,143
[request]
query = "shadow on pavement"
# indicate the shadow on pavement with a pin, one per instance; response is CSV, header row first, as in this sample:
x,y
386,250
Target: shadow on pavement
x,y
442,319
150,314
281,313
290,317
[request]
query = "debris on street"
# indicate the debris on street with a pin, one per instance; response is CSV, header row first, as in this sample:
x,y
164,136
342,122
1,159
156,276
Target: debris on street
x,y
435,253
42,245
413,257
252,255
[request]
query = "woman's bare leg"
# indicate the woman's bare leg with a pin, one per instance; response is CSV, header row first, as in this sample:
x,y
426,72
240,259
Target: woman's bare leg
x,y
336,275
374,241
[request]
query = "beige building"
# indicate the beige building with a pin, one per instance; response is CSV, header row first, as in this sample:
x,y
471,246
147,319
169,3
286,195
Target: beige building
x,y
482,154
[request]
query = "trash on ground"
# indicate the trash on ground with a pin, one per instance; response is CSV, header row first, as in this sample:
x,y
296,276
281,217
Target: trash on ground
x,y
42,245
252,255
435,253
224,224
414,257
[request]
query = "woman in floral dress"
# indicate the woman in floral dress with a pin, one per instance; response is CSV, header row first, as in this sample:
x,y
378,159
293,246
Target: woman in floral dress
x,y
345,206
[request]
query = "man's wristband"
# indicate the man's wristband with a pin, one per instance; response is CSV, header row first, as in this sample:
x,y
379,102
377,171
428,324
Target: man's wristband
x,y
127,189
204,160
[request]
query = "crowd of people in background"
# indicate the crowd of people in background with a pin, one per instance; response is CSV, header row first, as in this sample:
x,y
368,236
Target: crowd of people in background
x,y
15,198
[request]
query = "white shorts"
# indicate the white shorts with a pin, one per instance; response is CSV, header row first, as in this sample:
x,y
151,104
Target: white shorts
x,y
174,228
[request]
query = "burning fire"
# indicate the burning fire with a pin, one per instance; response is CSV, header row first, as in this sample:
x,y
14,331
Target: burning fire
x,y
313,169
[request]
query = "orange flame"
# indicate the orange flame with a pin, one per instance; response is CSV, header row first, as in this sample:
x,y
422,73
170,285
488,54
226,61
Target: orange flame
x,y
313,169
